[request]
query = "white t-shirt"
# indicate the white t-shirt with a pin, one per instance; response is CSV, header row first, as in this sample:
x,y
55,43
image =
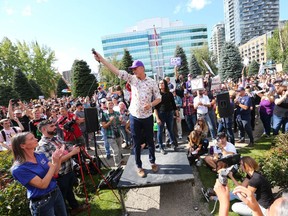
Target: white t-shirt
x,y
204,100
9,134
228,148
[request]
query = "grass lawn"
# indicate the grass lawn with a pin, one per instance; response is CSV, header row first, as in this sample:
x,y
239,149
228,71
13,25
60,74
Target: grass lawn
x,y
208,177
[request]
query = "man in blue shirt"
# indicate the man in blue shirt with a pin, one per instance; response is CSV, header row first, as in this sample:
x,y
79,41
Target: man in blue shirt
x,y
243,115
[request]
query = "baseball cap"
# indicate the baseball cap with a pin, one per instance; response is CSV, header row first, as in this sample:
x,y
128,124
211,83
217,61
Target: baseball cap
x,y
103,100
240,89
136,63
17,111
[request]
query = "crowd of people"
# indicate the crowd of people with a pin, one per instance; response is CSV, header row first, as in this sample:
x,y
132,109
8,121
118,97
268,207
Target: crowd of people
x,y
138,116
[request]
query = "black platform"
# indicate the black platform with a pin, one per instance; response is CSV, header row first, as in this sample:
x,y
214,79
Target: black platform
x,y
173,167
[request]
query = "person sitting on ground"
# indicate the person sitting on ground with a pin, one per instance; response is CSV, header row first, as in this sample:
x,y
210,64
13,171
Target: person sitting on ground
x,y
195,147
278,208
256,183
8,132
222,149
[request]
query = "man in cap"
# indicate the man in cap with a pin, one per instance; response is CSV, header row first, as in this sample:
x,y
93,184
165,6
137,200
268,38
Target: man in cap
x,y
145,95
243,115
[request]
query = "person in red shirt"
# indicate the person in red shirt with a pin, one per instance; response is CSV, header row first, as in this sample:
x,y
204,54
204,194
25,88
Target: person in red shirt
x,y
68,122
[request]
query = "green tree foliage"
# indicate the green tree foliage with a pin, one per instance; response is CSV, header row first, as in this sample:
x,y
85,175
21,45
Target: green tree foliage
x,y
203,53
230,62
183,69
6,93
126,61
8,61
253,68
277,46
84,83
21,86
60,86
194,66
107,76
36,88
33,60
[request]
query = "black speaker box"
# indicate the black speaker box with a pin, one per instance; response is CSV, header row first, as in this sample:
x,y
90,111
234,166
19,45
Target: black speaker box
x,y
91,119
223,102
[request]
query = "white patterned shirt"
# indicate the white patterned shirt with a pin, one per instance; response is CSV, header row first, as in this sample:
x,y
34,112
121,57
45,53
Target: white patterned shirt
x,y
143,93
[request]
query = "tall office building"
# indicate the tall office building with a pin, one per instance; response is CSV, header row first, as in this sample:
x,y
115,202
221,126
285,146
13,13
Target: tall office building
x,y
217,40
246,19
155,46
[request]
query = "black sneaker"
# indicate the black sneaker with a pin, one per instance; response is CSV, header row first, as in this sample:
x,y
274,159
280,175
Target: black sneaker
x,y
251,144
108,157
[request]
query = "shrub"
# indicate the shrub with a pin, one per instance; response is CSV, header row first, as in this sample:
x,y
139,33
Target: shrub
x,y
13,200
274,165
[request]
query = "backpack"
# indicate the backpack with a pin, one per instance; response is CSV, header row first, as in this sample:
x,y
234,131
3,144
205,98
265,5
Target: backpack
x,y
4,134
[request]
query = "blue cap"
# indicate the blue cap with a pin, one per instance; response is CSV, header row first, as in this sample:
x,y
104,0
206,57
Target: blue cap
x,y
137,63
240,89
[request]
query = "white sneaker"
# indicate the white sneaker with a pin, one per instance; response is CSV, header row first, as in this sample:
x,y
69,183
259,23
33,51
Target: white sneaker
x,y
199,163
180,137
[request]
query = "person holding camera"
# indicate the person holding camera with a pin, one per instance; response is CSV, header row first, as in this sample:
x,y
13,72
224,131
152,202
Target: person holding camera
x,y
221,150
111,122
66,176
68,122
256,183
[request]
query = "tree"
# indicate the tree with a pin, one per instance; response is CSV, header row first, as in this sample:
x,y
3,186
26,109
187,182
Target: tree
x,y
84,83
203,53
7,93
194,66
8,61
36,88
107,76
253,68
21,86
60,86
230,62
126,61
277,46
183,69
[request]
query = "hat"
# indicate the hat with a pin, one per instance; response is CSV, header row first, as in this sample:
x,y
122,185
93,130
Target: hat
x,y
17,111
103,100
185,91
115,96
43,123
137,63
99,88
240,89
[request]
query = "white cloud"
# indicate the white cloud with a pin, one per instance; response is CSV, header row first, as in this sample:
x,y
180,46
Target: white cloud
x,y
177,9
197,4
27,11
9,11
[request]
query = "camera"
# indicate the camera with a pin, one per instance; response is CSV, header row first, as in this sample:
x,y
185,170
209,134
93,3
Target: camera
x,y
231,162
68,126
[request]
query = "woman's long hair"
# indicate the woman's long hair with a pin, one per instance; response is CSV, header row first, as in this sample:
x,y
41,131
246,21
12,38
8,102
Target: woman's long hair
x,y
18,153
249,162
166,88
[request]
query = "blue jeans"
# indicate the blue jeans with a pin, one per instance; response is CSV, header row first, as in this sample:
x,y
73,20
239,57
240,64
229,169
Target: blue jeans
x,y
168,118
52,205
245,126
278,121
137,126
190,121
106,143
266,121
228,127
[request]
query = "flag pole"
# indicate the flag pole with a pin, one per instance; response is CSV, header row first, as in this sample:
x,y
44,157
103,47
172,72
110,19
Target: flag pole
x,y
157,56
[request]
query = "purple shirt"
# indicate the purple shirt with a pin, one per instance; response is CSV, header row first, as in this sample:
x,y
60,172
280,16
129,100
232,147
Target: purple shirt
x,y
266,107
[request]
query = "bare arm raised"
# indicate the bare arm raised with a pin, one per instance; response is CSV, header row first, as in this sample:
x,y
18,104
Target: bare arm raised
x,y
100,59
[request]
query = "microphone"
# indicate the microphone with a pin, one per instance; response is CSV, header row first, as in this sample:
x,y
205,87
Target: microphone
x,y
94,52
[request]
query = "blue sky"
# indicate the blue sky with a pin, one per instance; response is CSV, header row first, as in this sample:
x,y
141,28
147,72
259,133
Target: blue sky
x,y
72,27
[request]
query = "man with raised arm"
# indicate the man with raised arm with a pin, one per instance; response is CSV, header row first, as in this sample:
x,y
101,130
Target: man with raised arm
x,y
145,95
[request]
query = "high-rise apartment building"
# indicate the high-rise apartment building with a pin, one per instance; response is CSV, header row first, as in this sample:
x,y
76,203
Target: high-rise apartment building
x,y
246,19
217,40
155,46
